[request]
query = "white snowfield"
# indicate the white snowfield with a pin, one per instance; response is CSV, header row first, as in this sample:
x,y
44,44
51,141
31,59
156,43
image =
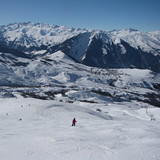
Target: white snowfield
x,y
33,129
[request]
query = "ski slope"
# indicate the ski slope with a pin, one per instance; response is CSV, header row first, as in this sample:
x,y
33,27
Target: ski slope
x,y
32,129
113,122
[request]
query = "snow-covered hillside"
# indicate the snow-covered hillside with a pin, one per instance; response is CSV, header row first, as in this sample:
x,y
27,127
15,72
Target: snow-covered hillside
x,y
117,110
41,129
58,69
147,41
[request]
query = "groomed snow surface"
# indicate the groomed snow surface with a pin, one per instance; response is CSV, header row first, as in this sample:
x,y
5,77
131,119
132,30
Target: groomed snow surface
x,y
32,129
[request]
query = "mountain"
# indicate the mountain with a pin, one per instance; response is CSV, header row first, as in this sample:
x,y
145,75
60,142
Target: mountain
x,y
62,75
30,36
35,55
109,81
105,49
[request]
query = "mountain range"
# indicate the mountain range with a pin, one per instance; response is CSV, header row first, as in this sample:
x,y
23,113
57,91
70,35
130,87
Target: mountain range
x,y
105,49
122,65
108,80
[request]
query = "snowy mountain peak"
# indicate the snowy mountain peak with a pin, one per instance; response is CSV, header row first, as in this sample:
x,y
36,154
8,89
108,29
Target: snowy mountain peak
x,y
106,49
37,34
147,41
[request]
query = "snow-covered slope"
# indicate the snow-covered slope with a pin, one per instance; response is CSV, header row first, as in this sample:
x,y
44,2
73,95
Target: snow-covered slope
x,y
147,41
117,110
58,69
105,50
33,129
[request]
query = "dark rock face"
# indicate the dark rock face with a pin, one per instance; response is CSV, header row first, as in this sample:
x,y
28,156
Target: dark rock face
x,y
114,58
5,49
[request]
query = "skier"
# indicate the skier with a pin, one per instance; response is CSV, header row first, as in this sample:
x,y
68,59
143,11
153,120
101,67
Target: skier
x,y
74,122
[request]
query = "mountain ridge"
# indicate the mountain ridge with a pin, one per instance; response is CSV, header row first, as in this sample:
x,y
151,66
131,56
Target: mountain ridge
x,y
106,49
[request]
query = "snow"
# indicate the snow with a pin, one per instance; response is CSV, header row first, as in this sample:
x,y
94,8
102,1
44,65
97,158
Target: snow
x,y
60,56
104,51
147,41
36,34
133,75
39,52
118,132
107,128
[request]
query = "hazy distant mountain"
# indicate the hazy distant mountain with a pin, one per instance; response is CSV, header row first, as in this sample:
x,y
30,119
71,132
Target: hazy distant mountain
x,y
105,49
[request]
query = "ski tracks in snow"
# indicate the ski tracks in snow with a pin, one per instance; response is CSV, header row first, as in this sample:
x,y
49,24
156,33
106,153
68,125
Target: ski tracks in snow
x,y
79,148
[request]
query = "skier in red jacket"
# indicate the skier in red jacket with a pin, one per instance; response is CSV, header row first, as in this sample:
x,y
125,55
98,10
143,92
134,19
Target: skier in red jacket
x,y
74,122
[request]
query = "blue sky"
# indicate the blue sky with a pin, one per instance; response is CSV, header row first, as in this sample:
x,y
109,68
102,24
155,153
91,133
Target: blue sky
x,y
94,14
